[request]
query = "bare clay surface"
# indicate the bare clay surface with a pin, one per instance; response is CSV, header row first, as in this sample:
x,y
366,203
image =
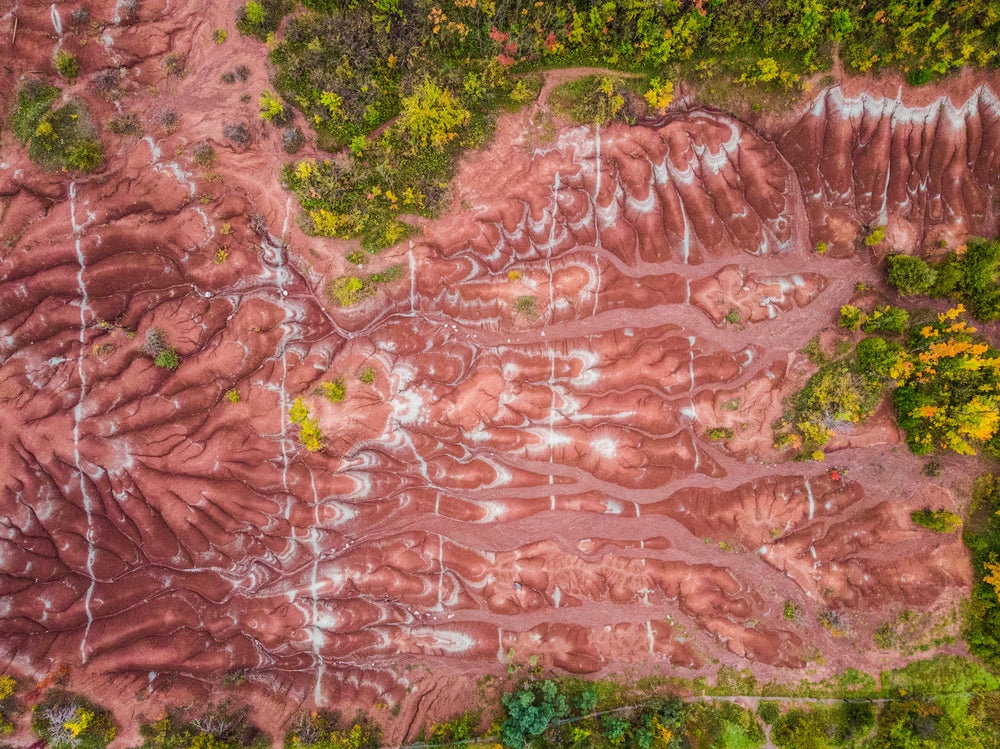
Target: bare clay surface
x,y
517,482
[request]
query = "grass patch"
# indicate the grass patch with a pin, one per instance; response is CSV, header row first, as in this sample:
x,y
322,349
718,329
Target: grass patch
x,y
940,521
61,138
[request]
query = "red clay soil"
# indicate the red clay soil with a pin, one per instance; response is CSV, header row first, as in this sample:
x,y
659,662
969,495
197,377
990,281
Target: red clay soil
x,y
518,481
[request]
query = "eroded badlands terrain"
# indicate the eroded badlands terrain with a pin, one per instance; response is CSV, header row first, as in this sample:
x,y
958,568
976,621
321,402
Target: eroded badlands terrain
x,y
519,480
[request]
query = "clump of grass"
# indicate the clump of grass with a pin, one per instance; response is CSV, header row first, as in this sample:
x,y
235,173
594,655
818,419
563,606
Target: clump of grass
x,y
167,119
835,622
233,395
126,124
791,611
368,376
346,291
720,433
205,156
175,65
68,65
527,306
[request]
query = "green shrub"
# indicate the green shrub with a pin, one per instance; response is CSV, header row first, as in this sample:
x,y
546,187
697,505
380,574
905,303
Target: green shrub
x,y
167,359
368,376
886,320
720,725
981,618
910,275
875,236
7,704
60,138
851,317
458,729
223,726
271,108
69,721
720,433
792,611
258,19
68,65
838,391
334,392
980,276
233,395
325,729
768,711
592,99
940,521
878,356
432,116
530,710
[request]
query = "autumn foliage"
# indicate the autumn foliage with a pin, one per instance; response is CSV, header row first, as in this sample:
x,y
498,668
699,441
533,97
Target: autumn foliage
x,y
948,388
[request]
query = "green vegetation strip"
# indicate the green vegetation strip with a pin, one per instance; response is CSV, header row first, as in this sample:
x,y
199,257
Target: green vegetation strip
x,y
397,89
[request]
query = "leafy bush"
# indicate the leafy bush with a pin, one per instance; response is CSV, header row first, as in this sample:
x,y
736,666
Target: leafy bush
x,y
458,729
851,317
325,729
271,108
768,711
334,392
530,710
167,359
60,138
875,236
309,432
947,394
258,19
592,99
878,356
69,721
68,65
720,433
223,726
940,521
722,725
659,94
980,276
910,275
886,320
432,116
981,621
